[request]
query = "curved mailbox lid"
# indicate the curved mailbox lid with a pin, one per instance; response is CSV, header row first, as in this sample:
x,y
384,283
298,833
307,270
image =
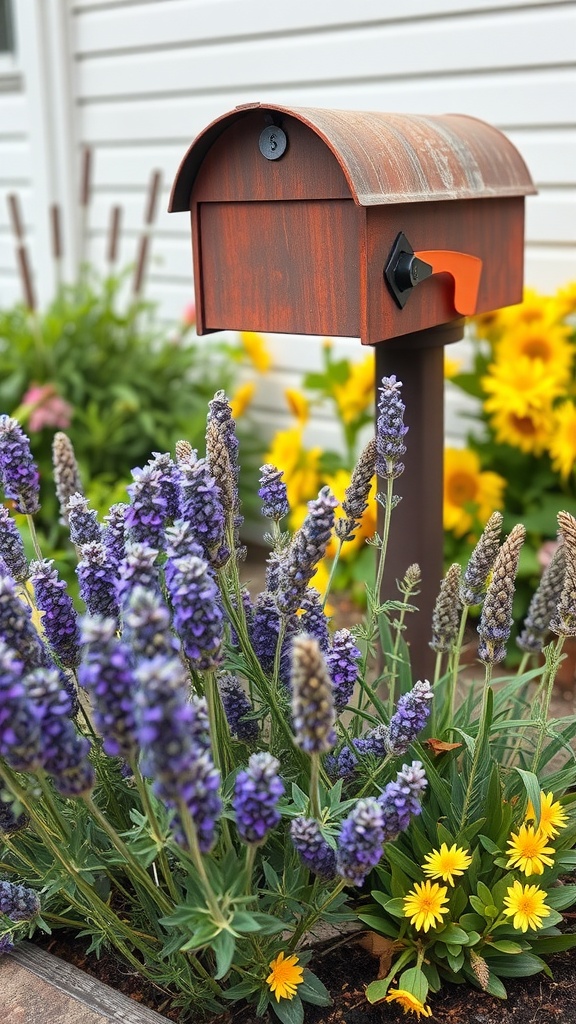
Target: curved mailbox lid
x,y
391,158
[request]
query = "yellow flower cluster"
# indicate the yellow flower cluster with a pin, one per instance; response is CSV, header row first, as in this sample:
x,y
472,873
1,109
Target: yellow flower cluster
x,y
471,495
529,852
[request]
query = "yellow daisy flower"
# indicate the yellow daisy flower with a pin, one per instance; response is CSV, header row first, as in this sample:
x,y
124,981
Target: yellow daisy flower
x,y
470,495
408,1002
525,903
565,300
284,977
424,903
445,863
356,395
298,405
487,325
528,851
300,465
257,351
562,443
520,396
241,399
549,343
534,309
553,817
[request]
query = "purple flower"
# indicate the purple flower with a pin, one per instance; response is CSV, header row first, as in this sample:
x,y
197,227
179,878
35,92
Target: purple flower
x,y
147,512
169,476
9,822
308,547
273,493
343,665
97,581
11,547
106,673
361,841
312,703
401,799
390,430
137,568
198,616
19,723
314,852
18,902
410,717
173,735
313,621
114,534
59,620
236,706
64,751
265,629
220,414
147,625
257,791
18,471
248,614
17,630
180,543
83,521
201,504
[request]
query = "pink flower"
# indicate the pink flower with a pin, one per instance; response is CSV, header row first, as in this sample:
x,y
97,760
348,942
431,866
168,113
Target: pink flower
x,y
189,315
47,408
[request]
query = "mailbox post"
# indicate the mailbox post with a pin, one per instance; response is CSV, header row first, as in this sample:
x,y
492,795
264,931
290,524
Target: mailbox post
x,y
386,227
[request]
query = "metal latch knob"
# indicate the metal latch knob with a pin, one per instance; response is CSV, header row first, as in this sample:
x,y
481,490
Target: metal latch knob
x,y
406,268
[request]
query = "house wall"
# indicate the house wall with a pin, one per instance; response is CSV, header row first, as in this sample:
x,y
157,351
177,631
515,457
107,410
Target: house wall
x,y
148,75
15,164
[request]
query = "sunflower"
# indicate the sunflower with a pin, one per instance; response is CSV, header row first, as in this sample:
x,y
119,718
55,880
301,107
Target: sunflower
x,y
257,351
528,851
525,903
470,494
519,403
565,300
445,863
408,1002
298,405
424,903
284,977
534,309
241,398
553,817
562,443
539,340
356,395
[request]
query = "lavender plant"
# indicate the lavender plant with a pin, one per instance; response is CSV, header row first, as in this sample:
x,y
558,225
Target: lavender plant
x,y
196,775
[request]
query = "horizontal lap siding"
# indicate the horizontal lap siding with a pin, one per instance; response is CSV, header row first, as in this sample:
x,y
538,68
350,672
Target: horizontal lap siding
x,y
14,177
150,75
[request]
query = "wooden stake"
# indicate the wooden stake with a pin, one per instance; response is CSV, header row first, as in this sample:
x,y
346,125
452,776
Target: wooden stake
x,y
144,241
22,260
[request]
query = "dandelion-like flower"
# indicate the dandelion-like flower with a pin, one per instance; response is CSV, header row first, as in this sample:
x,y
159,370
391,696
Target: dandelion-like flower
x,y
361,841
285,976
343,663
544,603
236,707
563,622
18,471
12,547
312,703
553,817
408,1001
402,798
67,479
82,521
257,791
410,717
446,612
446,862
390,430
272,493
426,904
314,851
475,579
496,619
59,620
106,673
528,851
356,501
308,547
525,904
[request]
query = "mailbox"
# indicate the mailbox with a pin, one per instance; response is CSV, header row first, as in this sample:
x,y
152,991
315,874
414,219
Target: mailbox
x,y
386,227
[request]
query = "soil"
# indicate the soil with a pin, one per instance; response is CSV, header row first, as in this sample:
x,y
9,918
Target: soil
x,y
346,970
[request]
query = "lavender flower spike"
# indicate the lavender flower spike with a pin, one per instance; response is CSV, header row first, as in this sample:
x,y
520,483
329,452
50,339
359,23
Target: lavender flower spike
x,y
19,722
201,504
356,501
173,735
361,841
447,611
410,717
312,701
114,534
256,794
106,672
475,579
59,620
312,848
496,619
18,903
343,663
12,547
236,706
543,604
97,580
401,798
18,471
64,751
563,622
147,513
198,616
308,547
273,493
390,430
83,521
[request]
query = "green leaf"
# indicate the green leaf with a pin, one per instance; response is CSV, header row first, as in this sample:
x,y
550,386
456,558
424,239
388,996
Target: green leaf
x,y
289,1011
223,946
532,787
562,897
452,934
379,924
415,981
311,990
506,946
523,965
396,857
488,845
553,943
394,907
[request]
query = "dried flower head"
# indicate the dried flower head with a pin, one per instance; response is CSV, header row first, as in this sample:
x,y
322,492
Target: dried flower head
x,y
356,501
475,580
496,619
312,701
308,547
67,480
184,451
446,613
544,604
563,622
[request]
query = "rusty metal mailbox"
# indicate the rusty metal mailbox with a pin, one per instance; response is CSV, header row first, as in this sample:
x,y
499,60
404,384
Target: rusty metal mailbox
x,y
386,227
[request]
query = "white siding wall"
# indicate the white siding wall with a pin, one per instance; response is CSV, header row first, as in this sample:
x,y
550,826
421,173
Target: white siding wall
x,y
148,75
15,174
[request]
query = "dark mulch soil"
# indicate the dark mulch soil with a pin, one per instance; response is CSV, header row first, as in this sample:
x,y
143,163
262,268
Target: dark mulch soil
x,y
346,970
